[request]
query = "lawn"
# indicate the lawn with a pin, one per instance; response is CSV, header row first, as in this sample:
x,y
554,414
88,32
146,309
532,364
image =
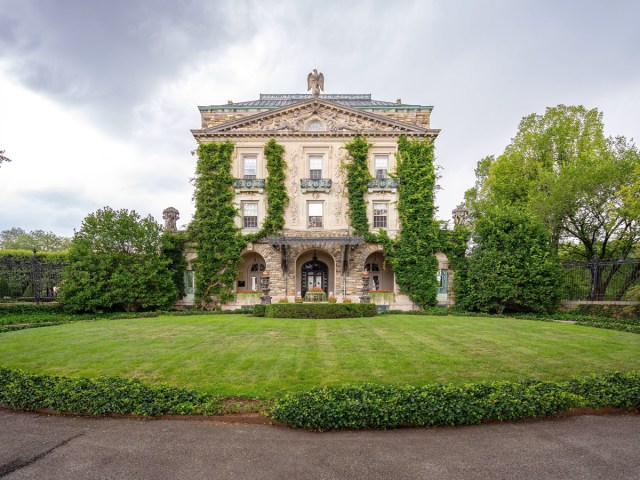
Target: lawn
x,y
239,355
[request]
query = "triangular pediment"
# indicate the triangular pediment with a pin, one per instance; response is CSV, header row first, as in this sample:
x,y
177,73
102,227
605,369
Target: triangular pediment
x,y
315,116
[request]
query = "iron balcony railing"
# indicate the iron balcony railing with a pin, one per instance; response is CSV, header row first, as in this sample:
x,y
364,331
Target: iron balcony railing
x,y
383,184
315,184
248,183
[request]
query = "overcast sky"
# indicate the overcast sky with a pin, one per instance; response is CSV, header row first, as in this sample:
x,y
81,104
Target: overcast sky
x,y
97,97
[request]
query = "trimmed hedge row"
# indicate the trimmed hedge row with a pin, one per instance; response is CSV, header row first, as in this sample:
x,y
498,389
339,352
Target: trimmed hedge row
x,y
315,310
381,406
100,396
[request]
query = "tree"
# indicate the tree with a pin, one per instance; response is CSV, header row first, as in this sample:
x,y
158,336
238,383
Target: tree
x,y
3,158
510,267
17,238
562,168
115,263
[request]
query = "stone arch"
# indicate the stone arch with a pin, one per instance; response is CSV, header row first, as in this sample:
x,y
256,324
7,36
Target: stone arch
x,y
381,276
306,255
251,269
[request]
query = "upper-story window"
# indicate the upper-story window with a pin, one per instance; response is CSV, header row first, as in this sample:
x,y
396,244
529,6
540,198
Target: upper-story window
x,y
250,214
315,214
250,166
315,167
381,166
380,214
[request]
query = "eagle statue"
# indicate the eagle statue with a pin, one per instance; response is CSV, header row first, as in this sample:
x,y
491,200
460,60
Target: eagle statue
x,y
315,82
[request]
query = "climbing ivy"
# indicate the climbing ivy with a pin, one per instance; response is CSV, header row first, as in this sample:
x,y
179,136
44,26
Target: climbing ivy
x,y
358,177
277,198
411,254
413,262
218,240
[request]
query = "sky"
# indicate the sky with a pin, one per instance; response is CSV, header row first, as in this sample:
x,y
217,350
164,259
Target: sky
x,y
97,98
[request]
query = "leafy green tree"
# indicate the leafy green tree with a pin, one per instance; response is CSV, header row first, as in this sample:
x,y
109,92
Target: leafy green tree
x,y
116,263
562,168
510,266
18,239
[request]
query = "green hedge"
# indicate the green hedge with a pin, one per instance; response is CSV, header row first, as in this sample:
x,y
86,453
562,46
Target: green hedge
x,y
100,396
383,406
315,310
30,309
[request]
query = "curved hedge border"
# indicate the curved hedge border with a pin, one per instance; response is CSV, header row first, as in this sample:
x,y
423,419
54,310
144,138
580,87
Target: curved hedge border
x,y
101,396
383,406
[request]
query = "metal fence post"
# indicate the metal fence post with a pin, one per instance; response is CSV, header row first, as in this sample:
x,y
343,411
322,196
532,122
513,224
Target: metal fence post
x,y
35,276
594,266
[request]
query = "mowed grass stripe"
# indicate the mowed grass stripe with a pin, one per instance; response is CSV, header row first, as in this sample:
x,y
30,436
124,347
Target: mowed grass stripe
x,y
239,355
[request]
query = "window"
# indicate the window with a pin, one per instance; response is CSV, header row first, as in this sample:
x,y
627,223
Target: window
x,y
250,214
315,126
380,211
250,166
315,167
381,166
315,214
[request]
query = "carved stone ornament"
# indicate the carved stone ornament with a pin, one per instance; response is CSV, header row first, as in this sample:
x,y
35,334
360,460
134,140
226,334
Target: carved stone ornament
x,y
332,120
460,215
170,216
315,82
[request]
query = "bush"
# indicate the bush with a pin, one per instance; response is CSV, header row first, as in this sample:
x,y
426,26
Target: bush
x,y
30,309
511,267
384,406
116,263
259,310
100,396
320,310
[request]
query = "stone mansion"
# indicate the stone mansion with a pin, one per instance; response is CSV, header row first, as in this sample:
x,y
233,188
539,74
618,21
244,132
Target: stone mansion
x,y
317,247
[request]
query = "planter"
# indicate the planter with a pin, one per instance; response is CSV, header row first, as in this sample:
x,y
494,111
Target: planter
x,y
248,298
382,298
315,297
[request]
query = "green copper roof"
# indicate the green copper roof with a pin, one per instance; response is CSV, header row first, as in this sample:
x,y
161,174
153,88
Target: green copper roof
x,y
270,101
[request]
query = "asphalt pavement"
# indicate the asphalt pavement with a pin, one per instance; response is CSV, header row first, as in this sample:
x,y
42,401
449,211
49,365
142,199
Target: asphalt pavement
x,y
38,446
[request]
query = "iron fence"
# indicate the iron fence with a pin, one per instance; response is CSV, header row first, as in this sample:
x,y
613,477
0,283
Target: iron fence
x,y
599,280
29,278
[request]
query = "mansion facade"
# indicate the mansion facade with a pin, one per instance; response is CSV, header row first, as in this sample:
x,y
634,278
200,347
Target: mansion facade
x,y
317,248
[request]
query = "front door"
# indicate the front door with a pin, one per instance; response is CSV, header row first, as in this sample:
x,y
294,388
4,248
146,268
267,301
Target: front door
x,y
315,274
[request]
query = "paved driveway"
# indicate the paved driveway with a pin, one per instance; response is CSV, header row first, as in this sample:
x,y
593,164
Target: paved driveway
x,y
34,446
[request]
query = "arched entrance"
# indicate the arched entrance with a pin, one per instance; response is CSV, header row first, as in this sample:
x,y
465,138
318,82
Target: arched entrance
x,y
315,274
251,270
380,274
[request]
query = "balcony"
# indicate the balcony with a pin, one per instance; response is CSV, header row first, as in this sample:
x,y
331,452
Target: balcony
x,y
315,185
249,185
383,185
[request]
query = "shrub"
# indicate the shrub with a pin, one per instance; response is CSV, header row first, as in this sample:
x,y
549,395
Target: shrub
x,y
283,300
510,267
346,300
116,263
100,396
385,406
298,300
259,310
320,310
332,300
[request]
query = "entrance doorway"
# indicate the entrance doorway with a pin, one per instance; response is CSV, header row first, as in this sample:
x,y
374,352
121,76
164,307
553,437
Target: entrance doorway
x,y
315,274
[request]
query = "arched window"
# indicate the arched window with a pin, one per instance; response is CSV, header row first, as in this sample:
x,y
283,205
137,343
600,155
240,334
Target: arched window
x,y
315,126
